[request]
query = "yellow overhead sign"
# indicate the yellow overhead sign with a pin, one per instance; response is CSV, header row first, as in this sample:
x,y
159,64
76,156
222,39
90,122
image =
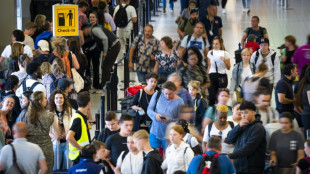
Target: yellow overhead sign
x,y
65,20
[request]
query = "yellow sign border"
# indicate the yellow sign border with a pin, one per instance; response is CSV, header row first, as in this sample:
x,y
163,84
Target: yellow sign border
x,y
65,30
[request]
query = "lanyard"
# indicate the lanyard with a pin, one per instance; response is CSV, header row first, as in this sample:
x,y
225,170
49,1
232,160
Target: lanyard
x,y
211,23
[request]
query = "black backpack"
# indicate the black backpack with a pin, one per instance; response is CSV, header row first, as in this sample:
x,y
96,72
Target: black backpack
x,y
213,167
54,83
25,88
121,18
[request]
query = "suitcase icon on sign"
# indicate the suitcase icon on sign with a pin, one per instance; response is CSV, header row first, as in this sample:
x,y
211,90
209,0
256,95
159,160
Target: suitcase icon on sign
x,y
61,19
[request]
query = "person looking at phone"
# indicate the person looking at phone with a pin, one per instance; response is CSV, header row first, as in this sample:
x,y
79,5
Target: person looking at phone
x,y
249,137
163,110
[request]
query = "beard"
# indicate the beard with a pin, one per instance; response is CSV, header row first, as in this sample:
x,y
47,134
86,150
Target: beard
x,y
193,21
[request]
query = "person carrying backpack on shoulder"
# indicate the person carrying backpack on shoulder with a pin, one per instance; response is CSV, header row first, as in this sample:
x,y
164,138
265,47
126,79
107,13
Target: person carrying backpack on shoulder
x,y
219,128
269,57
124,16
32,83
219,163
50,80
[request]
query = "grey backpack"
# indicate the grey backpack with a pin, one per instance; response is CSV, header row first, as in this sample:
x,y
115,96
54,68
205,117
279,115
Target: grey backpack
x,y
249,87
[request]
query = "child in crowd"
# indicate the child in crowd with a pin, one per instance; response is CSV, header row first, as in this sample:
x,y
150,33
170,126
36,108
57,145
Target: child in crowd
x,y
130,162
101,157
200,104
46,68
251,43
111,121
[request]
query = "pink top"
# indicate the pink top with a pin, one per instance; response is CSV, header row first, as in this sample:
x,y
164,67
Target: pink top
x,y
302,56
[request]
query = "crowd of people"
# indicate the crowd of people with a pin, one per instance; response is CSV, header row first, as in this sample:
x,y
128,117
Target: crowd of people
x,y
183,122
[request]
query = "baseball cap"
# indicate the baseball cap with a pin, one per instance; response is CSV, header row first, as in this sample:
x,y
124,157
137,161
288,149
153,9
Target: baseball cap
x,y
264,40
194,10
44,45
64,83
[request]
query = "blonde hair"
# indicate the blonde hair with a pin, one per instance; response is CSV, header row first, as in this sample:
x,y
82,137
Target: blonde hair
x,y
141,134
46,68
194,84
59,45
246,50
16,49
40,20
58,66
222,108
179,129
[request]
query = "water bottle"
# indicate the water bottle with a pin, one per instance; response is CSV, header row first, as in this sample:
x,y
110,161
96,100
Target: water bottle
x,y
239,45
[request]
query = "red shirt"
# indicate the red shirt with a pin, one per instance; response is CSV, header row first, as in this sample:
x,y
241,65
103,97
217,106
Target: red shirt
x,y
252,46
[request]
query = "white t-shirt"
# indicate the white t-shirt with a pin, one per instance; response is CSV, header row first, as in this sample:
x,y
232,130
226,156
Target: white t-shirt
x,y
177,159
193,142
230,118
247,72
268,117
8,51
216,57
29,41
196,42
29,82
131,13
131,164
226,148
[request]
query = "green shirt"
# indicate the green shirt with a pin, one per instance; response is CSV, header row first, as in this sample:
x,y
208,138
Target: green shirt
x,y
189,28
210,113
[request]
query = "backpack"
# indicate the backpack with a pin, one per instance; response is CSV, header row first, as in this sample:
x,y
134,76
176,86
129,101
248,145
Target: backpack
x,y
260,30
190,36
25,88
273,56
238,66
209,165
231,124
121,18
54,83
126,103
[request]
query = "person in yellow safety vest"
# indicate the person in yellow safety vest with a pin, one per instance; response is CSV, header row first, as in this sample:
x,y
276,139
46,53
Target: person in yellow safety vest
x,y
78,135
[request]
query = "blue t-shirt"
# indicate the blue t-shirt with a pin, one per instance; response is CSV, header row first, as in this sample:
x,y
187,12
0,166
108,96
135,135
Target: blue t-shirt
x,y
226,165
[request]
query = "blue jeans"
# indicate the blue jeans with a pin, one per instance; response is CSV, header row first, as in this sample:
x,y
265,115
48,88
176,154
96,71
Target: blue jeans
x,y
61,158
157,143
247,5
141,76
171,4
182,3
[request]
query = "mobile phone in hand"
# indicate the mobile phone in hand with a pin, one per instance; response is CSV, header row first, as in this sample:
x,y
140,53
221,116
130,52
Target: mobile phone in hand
x,y
163,118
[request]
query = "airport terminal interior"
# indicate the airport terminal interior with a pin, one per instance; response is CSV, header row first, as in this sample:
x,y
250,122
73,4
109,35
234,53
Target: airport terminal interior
x,y
280,17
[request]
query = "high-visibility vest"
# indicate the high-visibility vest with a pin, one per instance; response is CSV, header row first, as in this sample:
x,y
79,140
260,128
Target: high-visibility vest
x,y
83,141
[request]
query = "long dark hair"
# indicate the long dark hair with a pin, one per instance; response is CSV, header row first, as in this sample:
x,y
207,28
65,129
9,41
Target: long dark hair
x,y
197,52
52,105
304,81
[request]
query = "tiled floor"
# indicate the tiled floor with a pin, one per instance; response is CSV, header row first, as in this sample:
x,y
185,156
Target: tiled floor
x,y
278,21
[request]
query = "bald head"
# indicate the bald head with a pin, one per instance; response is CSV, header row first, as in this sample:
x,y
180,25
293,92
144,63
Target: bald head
x,y
20,130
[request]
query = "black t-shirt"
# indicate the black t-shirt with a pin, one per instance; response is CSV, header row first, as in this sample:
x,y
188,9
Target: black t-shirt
x,y
104,135
284,86
213,26
105,167
116,144
144,103
73,103
289,55
76,126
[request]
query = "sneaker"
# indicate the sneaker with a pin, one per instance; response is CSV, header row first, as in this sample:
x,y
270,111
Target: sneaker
x,y
164,10
224,11
248,12
244,10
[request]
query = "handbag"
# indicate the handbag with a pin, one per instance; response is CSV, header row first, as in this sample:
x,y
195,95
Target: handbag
x,y
222,78
76,77
14,169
